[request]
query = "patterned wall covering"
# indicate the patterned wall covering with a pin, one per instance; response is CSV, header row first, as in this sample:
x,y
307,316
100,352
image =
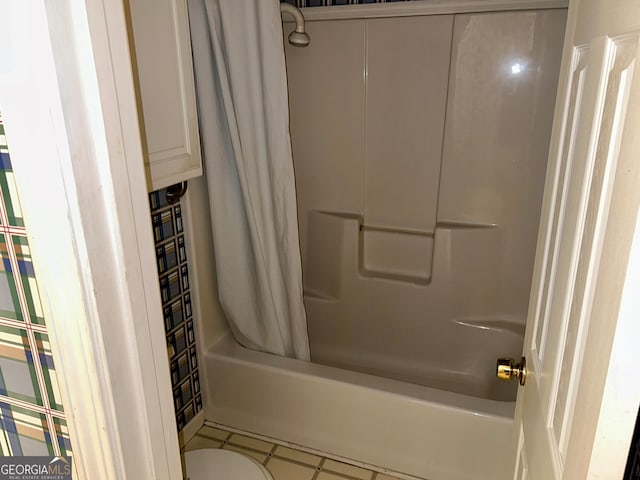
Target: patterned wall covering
x,y
330,3
32,420
176,305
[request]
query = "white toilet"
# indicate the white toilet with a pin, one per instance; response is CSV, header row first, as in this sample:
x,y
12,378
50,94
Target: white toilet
x,y
210,463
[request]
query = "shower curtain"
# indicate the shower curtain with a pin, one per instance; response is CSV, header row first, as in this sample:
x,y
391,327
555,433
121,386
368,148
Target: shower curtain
x,y
242,98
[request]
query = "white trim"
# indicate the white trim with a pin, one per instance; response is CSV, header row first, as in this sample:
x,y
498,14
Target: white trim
x,y
425,7
209,319
621,394
191,429
69,107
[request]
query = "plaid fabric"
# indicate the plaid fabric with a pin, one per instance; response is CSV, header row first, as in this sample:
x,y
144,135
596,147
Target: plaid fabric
x,y
331,3
32,418
173,270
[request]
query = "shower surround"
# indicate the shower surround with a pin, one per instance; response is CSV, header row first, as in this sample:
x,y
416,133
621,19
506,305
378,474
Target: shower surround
x,y
420,147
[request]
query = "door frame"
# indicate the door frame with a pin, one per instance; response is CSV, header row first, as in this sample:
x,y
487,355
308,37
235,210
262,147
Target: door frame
x,y
69,107
620,396
82,136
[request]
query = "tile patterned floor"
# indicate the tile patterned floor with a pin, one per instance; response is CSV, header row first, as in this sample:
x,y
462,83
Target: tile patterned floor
x,y
283,462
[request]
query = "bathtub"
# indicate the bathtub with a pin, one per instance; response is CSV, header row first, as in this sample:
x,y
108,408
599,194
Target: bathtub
x,y
403,427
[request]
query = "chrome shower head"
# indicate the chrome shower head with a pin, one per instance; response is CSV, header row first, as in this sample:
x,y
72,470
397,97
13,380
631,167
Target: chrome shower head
x,y
297,38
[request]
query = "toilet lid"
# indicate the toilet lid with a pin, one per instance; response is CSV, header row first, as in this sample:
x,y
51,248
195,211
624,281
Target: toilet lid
x,y
210,463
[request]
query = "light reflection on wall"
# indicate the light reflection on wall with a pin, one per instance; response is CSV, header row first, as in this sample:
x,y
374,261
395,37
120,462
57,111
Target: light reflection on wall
x,y
517,68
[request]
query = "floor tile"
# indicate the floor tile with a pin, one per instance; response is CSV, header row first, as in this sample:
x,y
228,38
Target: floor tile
x,y
350,470
329,476
259,456
199,442
302,457
286,463
249,442
283,470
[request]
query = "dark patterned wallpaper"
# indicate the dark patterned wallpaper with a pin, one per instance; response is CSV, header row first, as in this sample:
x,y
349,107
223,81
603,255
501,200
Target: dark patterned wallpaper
x,y
330,3
633,464
173,271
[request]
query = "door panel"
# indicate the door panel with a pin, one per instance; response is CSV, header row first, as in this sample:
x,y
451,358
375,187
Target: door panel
x,y
522,470
619,58
554,227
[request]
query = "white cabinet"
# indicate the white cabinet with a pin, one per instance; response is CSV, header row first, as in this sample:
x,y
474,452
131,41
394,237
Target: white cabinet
x,y
161,52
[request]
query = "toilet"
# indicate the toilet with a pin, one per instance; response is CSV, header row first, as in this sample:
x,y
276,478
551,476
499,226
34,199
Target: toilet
x,y
209,463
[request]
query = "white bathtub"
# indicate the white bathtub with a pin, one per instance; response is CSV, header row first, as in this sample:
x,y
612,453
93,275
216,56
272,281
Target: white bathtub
x,y
404,427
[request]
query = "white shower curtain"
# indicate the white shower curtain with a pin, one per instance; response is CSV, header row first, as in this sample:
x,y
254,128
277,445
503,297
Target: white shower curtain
x,y
241,87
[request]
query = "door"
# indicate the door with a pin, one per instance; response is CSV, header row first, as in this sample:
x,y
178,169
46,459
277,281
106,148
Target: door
x,y
578,313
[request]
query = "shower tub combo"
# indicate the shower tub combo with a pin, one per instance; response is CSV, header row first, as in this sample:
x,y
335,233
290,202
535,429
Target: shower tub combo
x,y
420,144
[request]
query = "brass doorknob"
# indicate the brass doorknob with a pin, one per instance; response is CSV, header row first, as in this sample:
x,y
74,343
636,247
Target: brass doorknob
x,y
506,369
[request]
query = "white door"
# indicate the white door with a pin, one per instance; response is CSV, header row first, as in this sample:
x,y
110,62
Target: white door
x,y
585,267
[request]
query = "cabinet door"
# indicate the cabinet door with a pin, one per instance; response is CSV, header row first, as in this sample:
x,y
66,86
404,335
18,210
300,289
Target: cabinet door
x,y
161,52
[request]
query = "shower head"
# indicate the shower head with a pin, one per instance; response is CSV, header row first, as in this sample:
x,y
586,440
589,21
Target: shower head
x,y
297,38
